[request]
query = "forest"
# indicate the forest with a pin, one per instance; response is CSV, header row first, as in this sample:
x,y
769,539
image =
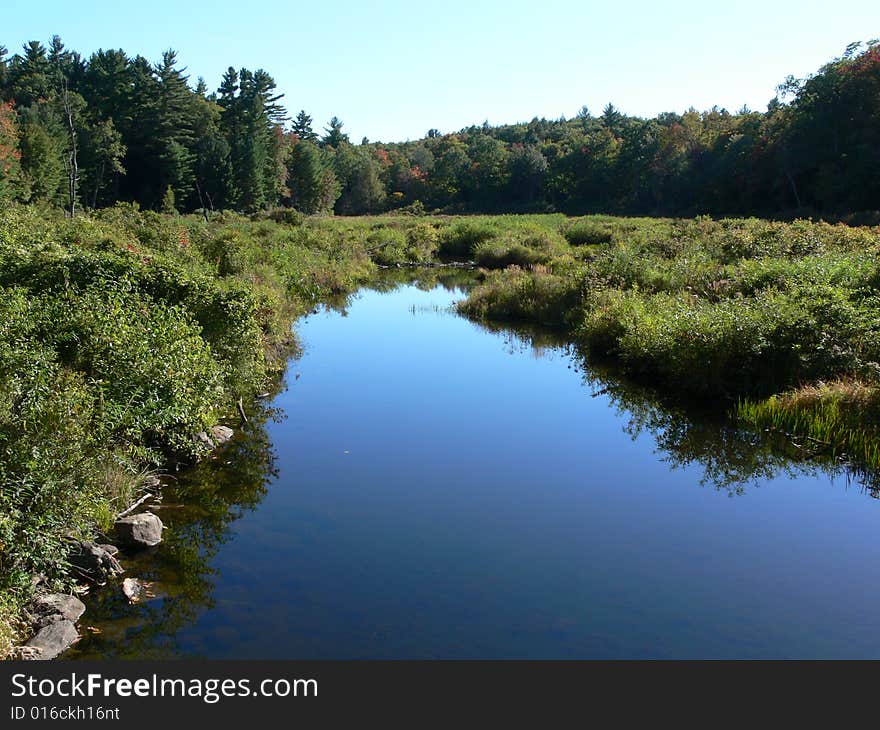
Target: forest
x,y
90,132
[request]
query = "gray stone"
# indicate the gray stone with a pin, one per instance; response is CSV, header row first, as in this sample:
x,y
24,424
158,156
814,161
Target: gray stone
x,y
92,562
137,590
53,639
142,530
55,607
203,438
221,434
112,549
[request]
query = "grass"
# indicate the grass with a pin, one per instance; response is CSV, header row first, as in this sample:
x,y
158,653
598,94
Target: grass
x,y
841,416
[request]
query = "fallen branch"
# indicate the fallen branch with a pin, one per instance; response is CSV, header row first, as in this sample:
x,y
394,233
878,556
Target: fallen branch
x,y
134,506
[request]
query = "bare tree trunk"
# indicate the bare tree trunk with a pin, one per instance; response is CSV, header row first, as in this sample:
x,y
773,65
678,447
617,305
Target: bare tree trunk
x,y
794,189
72,167
97,186
201,201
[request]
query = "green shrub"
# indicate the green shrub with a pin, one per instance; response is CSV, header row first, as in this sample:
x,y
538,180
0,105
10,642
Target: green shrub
x,y
226,252
287,216
460,240
387,246
586,233
422,241
520,295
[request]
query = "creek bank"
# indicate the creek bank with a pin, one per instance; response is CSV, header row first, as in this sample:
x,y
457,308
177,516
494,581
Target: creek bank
x,y
429,265
53,617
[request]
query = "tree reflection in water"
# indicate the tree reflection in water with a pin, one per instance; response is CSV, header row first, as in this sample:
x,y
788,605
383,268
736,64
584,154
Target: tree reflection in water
x,y
198,508
687,434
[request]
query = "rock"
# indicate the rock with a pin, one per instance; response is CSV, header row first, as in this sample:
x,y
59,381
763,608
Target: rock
x,y
142,530
92,562
202,437
56,607
112,549
53,639
221,434
152,482
136,590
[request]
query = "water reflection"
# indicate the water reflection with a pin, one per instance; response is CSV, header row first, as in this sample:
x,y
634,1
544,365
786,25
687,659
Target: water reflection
x,y
199,507
688,434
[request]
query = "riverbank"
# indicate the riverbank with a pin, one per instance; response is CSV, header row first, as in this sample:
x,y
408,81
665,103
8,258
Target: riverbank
x,y
777,322
123,335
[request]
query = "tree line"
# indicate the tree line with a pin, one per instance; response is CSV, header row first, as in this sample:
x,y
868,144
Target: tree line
x,y
78,131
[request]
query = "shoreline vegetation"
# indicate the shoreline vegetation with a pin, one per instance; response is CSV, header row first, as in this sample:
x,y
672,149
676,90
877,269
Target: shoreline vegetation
x,y
778,323
126,332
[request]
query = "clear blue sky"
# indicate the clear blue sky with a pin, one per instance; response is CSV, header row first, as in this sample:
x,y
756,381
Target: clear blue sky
x,y
391,70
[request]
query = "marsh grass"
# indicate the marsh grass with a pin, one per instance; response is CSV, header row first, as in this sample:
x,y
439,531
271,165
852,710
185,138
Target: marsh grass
x,y
840,417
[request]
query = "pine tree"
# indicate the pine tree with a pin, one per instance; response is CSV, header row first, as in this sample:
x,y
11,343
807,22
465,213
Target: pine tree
x,y
306,178
168,204
334,136
30,76
302,127
173,130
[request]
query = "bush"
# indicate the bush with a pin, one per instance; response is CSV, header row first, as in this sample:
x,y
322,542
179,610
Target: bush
x,y
460,240
226,252
422,241
387,246
287,216
585,233
520,295
500,254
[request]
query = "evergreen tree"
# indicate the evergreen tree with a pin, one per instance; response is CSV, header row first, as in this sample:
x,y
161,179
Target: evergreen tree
x,y
311,188
334,136
302,127
168,204
174,128
31,79
42,163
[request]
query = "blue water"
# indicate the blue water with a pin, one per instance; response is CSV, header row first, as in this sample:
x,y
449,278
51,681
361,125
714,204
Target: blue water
x,y
442,491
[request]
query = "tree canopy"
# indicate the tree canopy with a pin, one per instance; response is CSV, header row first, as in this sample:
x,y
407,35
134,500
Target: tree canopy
x,y
137,130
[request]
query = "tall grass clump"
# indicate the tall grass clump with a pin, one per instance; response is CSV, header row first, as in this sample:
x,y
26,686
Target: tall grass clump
x,y
587,233
460,240
528,295
840,417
